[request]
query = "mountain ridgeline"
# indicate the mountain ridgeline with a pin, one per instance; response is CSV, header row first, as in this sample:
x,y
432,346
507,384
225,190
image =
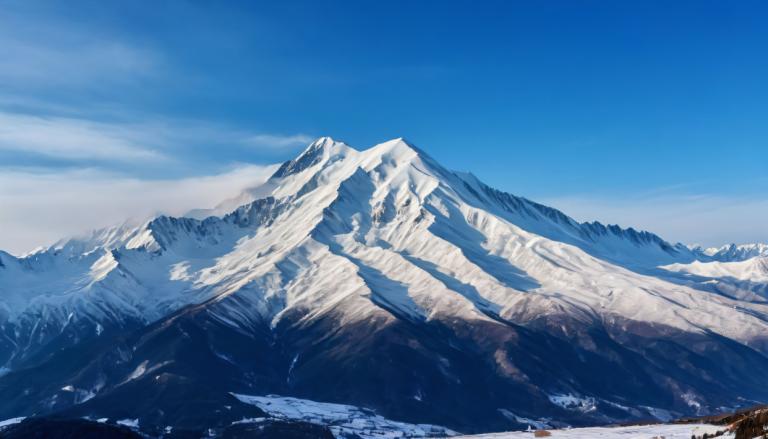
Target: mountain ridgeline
x,y
379,279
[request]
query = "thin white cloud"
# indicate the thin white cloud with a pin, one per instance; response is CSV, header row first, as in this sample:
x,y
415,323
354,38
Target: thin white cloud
x,y
90,64
71,139
40,207
78,139
276,141
709,220
42,52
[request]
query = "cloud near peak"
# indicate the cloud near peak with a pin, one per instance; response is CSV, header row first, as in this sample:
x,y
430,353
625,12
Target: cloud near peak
x,y
40,207
276,141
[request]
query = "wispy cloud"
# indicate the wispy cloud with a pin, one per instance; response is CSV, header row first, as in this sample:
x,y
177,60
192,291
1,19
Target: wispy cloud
x,y
276,141
52,73
31,63
81,139
40,206
76,103
41,52
710,220
71,139
101,184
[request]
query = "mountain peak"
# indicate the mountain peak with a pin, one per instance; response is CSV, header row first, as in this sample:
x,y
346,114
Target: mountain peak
x,y
400,150
396,146
319,150
322,146
320,142
737,252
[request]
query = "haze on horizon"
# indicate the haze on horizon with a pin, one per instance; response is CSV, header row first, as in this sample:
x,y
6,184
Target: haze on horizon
x,y
646,114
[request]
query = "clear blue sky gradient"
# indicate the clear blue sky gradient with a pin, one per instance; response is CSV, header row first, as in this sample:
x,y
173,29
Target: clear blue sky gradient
x,y
539,98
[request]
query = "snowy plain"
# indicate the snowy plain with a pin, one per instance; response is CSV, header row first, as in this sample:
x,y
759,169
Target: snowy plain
x,y
343,420
662,431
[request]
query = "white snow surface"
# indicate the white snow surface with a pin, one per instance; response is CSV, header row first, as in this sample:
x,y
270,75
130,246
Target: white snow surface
x,y
12,421
343,420
538,424
745,279
753,269
573,402
381,233
666,431
132,423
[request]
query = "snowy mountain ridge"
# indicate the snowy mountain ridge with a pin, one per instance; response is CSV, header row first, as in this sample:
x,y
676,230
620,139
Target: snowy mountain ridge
x,y
734,252
187,236
438,282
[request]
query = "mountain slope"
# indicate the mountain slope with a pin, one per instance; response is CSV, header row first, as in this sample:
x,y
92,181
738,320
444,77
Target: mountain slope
x,y
380,279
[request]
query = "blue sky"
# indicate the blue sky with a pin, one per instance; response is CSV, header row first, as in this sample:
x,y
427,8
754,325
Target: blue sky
x,y
649,114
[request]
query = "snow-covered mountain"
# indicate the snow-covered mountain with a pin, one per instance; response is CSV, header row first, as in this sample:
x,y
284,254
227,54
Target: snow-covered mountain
x,y
733,252
380,279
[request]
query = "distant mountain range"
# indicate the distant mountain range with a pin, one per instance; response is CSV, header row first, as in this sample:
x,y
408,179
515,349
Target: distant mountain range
x,y
375,291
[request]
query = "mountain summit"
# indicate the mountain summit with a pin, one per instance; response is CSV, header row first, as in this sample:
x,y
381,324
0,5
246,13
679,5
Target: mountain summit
x,y
380,279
